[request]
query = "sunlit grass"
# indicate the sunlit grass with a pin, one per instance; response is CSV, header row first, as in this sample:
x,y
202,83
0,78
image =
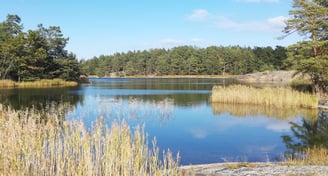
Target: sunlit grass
x,y
29,147
40,83
310,156
7,84
278,97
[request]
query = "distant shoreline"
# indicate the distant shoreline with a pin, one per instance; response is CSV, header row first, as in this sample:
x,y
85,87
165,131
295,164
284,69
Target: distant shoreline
x,y
44,83
171,76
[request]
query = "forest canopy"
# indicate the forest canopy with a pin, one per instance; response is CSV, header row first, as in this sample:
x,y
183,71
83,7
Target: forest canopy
x,y
188,60
34,54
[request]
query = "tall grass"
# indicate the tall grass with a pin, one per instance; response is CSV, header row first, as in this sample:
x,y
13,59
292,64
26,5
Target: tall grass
x,y
310,156
40,83
278,97
31,148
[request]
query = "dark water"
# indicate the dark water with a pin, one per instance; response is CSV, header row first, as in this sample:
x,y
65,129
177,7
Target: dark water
x,y
178,113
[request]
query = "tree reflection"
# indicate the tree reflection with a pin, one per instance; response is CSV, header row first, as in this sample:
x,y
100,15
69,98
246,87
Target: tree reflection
x,y
43,101
307,134
134,108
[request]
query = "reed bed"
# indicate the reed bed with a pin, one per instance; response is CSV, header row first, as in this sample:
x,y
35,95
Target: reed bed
x,y
31,148
310,156
40,83
278,97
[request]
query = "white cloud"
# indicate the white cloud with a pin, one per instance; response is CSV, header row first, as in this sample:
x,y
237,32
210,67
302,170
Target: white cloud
x,y
275,24
171,41
198,133
279,126
198,14
197,40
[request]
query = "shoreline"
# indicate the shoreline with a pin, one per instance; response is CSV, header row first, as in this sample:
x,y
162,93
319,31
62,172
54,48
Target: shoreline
x,y
253,168
43,83
170,76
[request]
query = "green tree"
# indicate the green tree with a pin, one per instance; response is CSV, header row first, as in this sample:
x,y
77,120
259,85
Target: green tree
x,y
10,29
31,61
309,19
66,68
279,57
35,54
163,67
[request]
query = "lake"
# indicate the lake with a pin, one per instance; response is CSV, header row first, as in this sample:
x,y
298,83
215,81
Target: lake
x,y
178,113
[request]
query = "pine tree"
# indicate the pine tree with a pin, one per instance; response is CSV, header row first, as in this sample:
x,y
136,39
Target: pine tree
x,y
310,19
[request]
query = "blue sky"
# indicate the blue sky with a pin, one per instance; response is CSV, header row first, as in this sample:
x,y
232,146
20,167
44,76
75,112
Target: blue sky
x,y
109,26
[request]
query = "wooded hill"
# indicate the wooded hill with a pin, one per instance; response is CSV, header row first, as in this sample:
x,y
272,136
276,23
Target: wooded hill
x,y
188,60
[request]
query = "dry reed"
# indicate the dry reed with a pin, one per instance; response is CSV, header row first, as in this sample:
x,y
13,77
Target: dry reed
x,y
310,156
31,148
40,83
278,97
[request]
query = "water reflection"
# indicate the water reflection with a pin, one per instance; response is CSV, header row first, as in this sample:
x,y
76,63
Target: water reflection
x,y
241,110
130,108
184,92
182,99
160,83
57,101
176,112
311,132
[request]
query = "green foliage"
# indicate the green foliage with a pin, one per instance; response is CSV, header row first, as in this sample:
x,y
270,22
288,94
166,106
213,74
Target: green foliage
x,y
309,19
187,60
35,54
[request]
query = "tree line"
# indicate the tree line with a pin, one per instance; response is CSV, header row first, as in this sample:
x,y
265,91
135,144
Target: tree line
x,y
40,54
35,54
188,60
308,18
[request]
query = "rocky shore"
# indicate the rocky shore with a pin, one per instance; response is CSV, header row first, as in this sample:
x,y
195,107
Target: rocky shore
x,y
254,169
277,77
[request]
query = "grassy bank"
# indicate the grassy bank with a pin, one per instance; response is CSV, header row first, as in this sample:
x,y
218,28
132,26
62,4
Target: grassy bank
x,y
31,148
269,96
40,83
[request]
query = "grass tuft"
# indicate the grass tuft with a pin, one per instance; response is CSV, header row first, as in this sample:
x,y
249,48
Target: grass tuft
x,y
37,84
310,156
278,97
29,147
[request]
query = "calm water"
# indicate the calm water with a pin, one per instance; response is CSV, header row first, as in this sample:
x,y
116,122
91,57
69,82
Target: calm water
x,y
178,113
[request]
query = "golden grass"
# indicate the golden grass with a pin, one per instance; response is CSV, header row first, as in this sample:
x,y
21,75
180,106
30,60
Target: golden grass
x,y
311,156
246,110
278,97
31,148
40,83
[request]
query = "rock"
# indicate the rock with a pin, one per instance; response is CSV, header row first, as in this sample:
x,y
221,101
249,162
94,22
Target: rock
x,y
257,169
269,77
